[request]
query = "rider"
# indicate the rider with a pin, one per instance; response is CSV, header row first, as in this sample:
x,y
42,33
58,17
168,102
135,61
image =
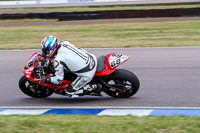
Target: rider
x,y
67,57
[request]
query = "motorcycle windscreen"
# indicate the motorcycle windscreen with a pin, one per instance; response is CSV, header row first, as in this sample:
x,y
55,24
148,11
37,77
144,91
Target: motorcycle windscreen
x,y
31,60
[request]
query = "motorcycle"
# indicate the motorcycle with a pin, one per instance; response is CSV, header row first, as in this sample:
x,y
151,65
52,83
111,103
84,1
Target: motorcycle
x,y
117,83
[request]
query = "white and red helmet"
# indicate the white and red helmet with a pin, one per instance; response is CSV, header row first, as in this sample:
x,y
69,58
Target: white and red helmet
x,y
49,45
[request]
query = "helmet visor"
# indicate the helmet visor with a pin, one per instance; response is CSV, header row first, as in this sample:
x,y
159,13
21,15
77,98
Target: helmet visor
x,y
46,51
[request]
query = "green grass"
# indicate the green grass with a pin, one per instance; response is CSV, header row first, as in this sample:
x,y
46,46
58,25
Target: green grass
x,y
29,20
101,8
147,34
98,124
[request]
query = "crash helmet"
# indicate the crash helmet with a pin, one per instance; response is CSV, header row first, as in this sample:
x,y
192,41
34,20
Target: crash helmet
x,y
49,45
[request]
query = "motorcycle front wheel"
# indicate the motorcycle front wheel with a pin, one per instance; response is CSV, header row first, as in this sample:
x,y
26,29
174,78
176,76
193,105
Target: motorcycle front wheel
x,y
122,84
32,89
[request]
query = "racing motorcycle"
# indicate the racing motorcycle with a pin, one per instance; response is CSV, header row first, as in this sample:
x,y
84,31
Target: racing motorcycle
x,y
118,83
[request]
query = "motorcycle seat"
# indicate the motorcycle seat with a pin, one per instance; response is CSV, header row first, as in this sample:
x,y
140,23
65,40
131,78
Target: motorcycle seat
x,y
101,63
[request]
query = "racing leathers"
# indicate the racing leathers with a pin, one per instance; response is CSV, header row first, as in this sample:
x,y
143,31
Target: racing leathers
x,y
75,60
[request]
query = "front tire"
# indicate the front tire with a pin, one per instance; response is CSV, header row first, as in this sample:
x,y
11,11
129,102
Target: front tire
x,y
32,89
126,81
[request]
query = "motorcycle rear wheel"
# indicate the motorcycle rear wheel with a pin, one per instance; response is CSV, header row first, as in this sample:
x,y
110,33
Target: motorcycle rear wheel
x,y
124,80
27,88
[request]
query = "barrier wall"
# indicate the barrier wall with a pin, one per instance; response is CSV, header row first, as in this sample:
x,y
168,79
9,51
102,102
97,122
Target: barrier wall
x,y
114,14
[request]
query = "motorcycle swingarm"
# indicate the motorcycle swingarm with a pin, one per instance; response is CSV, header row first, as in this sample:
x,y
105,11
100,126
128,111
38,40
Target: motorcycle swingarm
x,y
109,86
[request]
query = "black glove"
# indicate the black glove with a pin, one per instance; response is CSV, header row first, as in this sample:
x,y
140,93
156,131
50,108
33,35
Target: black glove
x,y
46,79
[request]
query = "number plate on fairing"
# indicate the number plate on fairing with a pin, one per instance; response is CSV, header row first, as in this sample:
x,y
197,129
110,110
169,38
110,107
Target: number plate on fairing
x,y
116,59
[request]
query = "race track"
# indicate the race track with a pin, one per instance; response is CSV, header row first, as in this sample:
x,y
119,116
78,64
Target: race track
x,y
169,78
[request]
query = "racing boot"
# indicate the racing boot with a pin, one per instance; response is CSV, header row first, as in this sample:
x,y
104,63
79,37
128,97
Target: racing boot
x,y
70,91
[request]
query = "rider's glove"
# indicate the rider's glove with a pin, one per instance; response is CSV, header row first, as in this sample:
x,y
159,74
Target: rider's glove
x,y
46,79
40,57
46,64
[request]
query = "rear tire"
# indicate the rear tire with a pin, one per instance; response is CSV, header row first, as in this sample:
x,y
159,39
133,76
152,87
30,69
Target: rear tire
x,y
39,92
124,80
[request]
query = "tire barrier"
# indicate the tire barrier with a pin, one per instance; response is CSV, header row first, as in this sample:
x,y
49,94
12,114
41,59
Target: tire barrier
x,y
79,16
112,14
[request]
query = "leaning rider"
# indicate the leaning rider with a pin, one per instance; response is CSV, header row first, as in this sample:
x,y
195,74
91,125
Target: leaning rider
x,y
68,57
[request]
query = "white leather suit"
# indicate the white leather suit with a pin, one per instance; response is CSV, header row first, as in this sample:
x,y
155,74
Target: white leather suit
x,y
75,60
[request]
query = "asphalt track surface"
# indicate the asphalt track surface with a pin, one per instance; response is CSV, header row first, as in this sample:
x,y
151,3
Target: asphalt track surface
x,y
169,78
96,4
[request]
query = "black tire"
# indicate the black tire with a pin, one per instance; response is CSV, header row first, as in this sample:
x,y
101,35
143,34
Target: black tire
x,y
40,92
122,78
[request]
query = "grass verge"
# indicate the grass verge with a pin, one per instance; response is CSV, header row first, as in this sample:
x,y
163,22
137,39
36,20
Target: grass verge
x,y
29,20
148,34
101,8
99,124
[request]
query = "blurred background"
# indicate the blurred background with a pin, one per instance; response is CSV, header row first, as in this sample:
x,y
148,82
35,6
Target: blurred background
x,y
167,64
94,23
